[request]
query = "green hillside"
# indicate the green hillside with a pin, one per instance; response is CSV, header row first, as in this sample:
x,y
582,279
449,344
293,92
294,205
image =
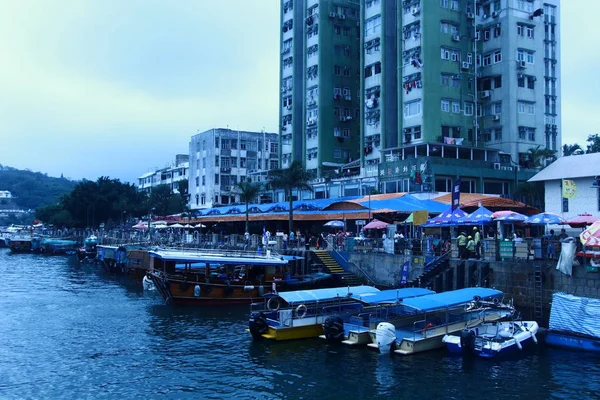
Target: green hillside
x,y
33,189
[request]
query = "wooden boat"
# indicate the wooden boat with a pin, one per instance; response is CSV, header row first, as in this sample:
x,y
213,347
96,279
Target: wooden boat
x,y
224,277
419,324
300,314
124,260
493,339
355,329
20,244
574,323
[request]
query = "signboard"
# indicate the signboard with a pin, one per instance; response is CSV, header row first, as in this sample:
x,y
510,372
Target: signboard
x,y
360,222
420,217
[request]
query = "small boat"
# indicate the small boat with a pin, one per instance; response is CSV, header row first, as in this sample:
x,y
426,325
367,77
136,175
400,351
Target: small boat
x,y
55,246
300,314
574,323
419,324
218,277
21,244
355,329
493,339
88,251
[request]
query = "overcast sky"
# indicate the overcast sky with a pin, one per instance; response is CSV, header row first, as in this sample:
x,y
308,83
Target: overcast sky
x,y
117,87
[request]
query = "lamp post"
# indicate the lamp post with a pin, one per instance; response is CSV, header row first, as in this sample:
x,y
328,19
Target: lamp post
x,y
150,225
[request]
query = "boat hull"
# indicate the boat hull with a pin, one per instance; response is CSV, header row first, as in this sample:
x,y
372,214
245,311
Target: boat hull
x,y
572,342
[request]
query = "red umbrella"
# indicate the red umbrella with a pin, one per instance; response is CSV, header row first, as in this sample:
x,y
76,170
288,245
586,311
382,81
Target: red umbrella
x,y
376,224
582,220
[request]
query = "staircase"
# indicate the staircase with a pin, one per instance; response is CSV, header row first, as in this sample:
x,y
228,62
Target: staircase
x,y
432,269
538,290
334,268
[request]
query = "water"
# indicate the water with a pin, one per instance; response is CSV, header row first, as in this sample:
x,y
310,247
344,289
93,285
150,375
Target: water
x,y
70,331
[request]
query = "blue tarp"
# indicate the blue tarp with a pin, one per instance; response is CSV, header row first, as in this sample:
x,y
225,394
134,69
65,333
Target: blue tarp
x,y
575,314
391,295
449,299
307,296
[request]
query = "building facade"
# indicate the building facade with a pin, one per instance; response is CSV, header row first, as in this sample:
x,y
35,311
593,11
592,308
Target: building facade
x,y
220,158
320,83
170,175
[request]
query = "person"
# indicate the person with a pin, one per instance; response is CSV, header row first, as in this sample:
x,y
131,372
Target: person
x,y
478,243
292,238
470,247
247,236
491,233
551,245
563,235
461,242
284,239
518,237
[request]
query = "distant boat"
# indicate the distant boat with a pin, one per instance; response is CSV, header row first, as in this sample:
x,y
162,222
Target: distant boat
x,y
574,323
88,251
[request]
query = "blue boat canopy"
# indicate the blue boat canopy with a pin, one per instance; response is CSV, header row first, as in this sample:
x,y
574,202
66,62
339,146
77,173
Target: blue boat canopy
x,y
452,298
391,295
308,296
213,258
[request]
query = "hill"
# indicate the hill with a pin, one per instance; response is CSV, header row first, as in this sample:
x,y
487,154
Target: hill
x,y
33,189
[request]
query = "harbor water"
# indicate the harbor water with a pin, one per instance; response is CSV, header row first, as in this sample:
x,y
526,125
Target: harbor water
x,y
71,331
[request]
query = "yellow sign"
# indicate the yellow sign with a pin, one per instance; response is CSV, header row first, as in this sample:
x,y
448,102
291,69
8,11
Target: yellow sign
x,y
420,217
569,189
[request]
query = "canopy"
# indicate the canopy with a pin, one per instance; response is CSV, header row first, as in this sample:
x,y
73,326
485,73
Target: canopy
x,y
510,216
334,224
304,296
545,218
199,225
479,217
176,226
582,220
449,217
140,226
391,295
376,224
452,298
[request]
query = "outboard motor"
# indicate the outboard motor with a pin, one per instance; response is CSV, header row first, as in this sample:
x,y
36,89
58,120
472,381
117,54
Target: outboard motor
x,y
467,342
386,337
147,283
334,329
257,325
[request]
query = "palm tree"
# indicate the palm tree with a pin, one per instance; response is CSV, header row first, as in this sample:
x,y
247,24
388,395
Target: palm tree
x,y
288,179
572,149
248,191
537,155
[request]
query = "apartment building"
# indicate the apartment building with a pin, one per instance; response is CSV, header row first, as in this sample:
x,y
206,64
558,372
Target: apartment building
x,y
170,175
220,158
320,83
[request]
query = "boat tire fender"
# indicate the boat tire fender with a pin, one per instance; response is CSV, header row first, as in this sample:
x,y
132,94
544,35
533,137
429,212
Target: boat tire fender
x,y
477,298
273,304
301,311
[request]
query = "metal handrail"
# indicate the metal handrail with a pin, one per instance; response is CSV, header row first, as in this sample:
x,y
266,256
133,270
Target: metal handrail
x,y
356,265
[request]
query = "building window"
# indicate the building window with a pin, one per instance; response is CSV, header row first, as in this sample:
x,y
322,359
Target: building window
x,y
456,107
373,25
498,134
337,29
412,108
497,56
525,55
468,108
337,70
445,105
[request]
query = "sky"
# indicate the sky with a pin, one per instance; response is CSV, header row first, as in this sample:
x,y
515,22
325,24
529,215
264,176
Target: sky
x,y
117,88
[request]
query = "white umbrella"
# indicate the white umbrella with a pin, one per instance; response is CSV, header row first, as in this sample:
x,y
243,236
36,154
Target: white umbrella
x,y
200,225
187,226
176,226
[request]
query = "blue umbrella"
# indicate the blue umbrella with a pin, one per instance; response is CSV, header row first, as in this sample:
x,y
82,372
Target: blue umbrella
x,y
449,217
511,217
334,224
545,218
479,217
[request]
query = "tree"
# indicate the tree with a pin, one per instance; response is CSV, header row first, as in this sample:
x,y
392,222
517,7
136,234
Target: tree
x,y
288,179
248,191
531,193
572,149
537,156
593,144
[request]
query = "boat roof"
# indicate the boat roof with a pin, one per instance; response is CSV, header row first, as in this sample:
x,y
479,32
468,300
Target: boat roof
x,y
303,296
448,299
391,295
221,258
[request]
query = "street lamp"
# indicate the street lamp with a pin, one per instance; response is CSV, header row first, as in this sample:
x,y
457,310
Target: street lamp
x,y
150,224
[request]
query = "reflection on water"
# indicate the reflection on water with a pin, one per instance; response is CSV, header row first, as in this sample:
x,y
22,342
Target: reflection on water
x,y
70,331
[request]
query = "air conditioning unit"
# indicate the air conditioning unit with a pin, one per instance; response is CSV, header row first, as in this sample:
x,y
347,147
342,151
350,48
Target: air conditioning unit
x,y
331,15
485,94
456,38
470,15
465,65
415,11
496,117
342,16
348,118
485,16
497,165
347,97
226,188
289,107
319,180
342,118
406,130
495,14
521,64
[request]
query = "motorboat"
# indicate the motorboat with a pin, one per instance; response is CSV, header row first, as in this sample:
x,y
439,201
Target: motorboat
x,y
300,314
493,339
419,324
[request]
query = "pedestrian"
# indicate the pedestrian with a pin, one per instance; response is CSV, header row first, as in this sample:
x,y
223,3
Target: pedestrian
x,y
461,242
284,239
470,247
292,239
478,243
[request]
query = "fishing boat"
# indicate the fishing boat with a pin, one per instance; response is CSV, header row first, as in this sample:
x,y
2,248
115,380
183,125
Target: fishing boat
x,y
21,244
87,252
493,339
574,323
54,246
355,329
300,314
419,324
220,277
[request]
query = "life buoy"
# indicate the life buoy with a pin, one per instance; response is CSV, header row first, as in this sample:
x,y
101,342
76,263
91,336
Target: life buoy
x,y
301,311
273,304
429,326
